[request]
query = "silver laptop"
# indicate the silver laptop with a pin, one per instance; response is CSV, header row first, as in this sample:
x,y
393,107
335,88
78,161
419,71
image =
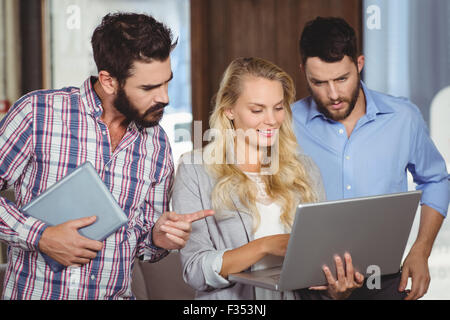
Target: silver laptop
x,y
79,194
374,230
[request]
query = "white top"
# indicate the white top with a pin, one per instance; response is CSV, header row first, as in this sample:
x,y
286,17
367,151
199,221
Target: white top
x,y
270,224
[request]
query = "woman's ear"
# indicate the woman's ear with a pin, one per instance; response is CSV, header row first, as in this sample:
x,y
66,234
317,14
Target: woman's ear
x,y
229,114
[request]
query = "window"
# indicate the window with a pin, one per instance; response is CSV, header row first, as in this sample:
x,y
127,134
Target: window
x,y
71,24
9,53
3,101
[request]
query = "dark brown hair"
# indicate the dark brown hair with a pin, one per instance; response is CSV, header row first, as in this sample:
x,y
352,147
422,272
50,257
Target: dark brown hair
x,y
329,39
123,38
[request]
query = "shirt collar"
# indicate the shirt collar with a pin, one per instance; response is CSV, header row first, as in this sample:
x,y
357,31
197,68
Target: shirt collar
x,y
372,108
90,98
313,112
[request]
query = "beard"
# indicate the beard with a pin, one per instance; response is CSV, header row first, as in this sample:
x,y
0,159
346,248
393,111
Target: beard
x,y
151,117
322,107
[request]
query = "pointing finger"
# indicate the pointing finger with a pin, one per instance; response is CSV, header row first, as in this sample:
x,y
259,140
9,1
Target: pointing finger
x,y
191,217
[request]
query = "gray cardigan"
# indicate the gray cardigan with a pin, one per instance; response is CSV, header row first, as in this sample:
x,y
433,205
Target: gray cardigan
x,y
212,235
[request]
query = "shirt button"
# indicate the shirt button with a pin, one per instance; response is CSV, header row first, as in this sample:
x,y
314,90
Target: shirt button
x,y
349,187
341,131
347,157
92,277
104,132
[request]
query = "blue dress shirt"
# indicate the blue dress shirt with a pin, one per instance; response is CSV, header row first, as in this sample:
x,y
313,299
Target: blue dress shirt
x,y
389,139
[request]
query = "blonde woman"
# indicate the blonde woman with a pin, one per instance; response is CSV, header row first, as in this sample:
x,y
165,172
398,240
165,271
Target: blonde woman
x,y
251,175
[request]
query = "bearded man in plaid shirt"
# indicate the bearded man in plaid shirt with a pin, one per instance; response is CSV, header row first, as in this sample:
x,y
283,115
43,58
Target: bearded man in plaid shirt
x,y
112,122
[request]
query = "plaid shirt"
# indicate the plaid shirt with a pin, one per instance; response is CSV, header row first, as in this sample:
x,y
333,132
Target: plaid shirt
x,y
45,136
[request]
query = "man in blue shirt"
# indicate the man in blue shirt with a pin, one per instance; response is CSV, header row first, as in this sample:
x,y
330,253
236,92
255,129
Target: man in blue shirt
x,y
364,141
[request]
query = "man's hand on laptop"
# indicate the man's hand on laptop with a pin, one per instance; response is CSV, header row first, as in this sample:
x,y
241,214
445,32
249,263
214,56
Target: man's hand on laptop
x,y
172,230
347,279
65,245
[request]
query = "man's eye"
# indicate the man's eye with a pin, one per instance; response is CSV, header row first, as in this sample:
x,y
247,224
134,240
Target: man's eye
x,y
150,88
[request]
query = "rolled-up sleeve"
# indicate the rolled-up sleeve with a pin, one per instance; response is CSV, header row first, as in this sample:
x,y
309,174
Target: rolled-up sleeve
x,y
429,171
212,264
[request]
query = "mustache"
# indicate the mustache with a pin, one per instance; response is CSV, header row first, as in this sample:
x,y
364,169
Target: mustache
x,y
155,108
339,100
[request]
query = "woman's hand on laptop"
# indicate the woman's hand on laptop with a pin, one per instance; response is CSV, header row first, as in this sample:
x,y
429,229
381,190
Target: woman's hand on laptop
x,y
276,244
241,258
347,279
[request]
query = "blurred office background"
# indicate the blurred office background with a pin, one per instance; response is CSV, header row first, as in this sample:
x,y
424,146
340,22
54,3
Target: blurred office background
x,y
46,44
407,50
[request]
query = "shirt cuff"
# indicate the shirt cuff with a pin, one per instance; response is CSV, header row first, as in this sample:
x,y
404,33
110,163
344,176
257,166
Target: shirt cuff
x,y
436,196
30,233
154,252
211,265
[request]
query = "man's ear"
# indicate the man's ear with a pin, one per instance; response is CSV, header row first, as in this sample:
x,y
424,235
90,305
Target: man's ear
x,y
302,67
360,63
109,84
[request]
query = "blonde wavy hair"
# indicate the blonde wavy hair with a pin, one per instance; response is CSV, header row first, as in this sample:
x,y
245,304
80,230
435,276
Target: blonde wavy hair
x,y
290,184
